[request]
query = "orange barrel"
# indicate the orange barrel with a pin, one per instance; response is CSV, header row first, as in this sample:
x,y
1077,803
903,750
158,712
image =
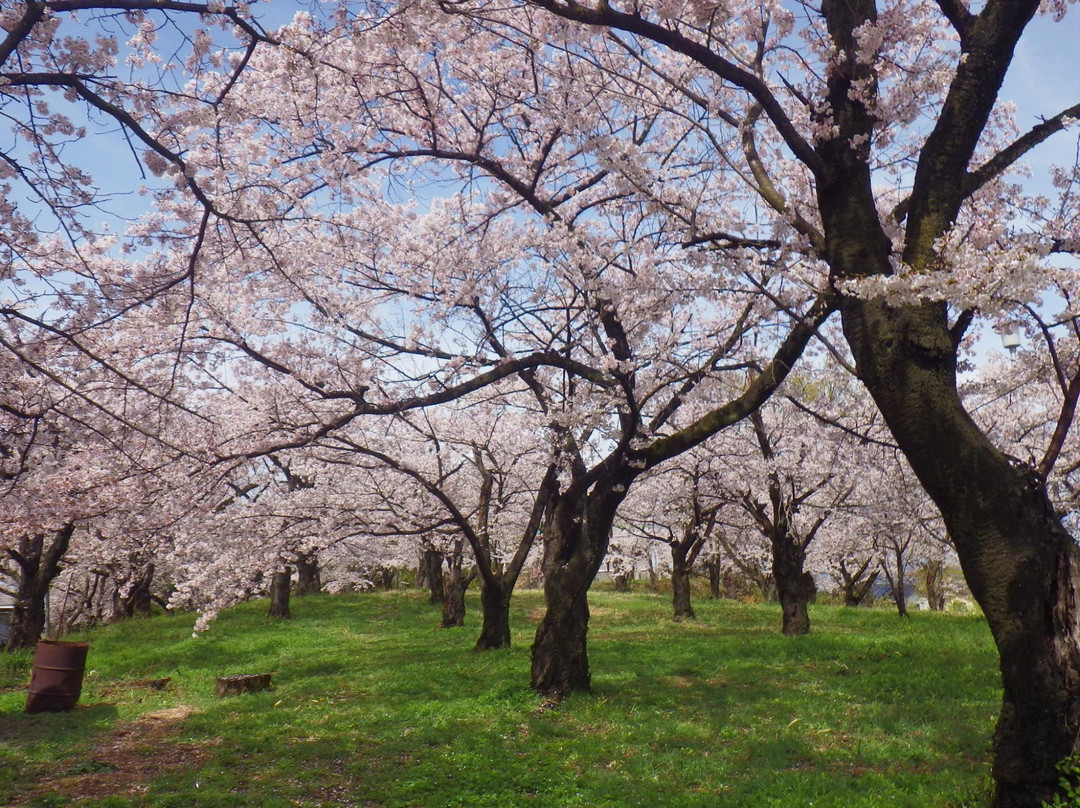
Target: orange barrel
x,y
56,679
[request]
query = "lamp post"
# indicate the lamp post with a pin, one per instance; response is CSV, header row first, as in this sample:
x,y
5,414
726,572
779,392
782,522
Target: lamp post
x,y
1010,340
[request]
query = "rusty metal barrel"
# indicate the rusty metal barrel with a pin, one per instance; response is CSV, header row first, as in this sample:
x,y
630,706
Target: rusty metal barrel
x,y
57,675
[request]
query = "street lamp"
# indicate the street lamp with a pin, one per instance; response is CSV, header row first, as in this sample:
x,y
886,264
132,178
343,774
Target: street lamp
x,y
1010,340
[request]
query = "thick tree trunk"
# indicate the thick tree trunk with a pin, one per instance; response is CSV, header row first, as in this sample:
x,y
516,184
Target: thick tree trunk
x,y
280,586
495,614
680,584
27,616
433,574
308,576
38,560
575,542
732,587
766,585
385,577
1021,565
453,610
560,661
794,587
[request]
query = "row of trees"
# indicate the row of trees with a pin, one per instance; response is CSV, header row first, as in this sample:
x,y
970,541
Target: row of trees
x,y
759,503
620,225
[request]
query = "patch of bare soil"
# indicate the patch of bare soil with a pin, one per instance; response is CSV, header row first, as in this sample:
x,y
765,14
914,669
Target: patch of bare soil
x,y
126,759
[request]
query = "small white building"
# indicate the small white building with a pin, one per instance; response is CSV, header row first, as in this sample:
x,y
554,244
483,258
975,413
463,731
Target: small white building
x,y
7,606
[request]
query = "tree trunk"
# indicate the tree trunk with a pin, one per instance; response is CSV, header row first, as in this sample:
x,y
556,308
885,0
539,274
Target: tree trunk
x,y
280,586
731,585
897,583
680,584
766,585
137,600
654,576
495,614
433,574
385,578
308,576
38,562
453,612
575,542
1021,565
858,586
560,661
715,578
27,616
794,587
935,585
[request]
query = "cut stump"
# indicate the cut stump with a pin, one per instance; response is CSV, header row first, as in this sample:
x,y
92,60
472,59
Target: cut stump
x,y
244,683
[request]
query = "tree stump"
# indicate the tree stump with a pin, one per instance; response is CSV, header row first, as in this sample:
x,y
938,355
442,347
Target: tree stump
x,y
244,683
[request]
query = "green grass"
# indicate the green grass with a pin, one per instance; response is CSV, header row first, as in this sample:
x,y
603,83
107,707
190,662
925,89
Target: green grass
x,y
373,706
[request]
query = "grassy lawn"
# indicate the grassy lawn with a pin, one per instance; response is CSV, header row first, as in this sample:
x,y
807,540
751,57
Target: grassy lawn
x,y
373,706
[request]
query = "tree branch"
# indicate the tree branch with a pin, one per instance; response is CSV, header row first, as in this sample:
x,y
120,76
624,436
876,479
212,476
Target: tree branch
x,y
756,393
1001,161
606,17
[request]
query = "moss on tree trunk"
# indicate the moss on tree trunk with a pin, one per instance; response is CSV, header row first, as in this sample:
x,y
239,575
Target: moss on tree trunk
x,y
1020,563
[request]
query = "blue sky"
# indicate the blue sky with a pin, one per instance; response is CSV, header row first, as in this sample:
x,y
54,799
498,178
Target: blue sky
x,y
1045,79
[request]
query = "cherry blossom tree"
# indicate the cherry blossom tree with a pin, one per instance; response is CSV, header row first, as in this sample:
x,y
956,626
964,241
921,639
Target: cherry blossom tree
x,y
874,133
903,525
73,306
486,464
547,263
69,476
788,475
673,180
676,505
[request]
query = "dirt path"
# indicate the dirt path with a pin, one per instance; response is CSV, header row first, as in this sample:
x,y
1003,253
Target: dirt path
x,y
127,758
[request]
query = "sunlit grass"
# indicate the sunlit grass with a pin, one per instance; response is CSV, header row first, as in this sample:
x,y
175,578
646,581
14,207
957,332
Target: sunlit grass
x,y
374,706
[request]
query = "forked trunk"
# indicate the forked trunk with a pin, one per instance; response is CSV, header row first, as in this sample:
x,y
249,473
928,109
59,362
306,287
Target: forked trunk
x,y
858,586
680,584
495,613
38,563
1021,565
280,586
